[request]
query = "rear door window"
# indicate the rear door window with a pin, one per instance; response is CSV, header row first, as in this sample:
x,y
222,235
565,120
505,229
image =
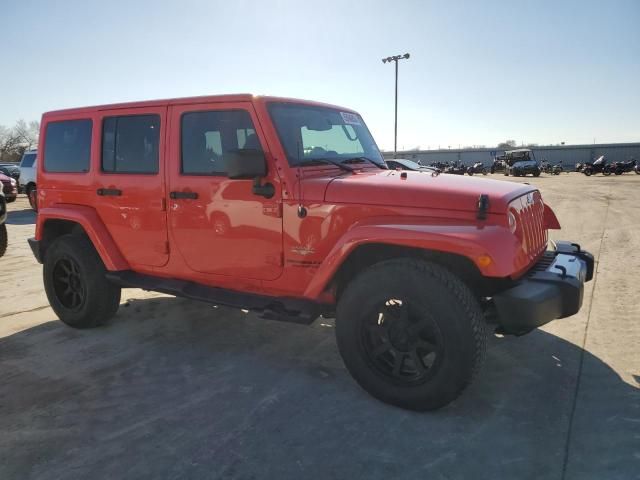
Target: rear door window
x,y
67,146
130,144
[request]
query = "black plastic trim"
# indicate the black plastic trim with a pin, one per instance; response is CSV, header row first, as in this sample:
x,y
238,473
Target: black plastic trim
x,y
543,295
287,309
35,248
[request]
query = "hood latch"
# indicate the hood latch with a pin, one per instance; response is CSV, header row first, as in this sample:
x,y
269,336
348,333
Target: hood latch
x,y
483,206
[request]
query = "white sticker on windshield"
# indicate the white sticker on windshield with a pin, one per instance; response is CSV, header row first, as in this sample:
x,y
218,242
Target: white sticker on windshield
x,y
350,118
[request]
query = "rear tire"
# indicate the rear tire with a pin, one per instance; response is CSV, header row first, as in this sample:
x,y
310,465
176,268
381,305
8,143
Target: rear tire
x,y
32,195
4,239
410,333
587,172
75,283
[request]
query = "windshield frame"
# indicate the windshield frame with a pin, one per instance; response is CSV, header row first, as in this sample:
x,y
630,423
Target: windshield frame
x,y
296,159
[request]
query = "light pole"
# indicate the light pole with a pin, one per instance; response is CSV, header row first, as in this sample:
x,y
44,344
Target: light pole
x,y
395,126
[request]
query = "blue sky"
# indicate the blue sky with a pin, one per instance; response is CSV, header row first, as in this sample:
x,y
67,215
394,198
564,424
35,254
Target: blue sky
x,y
480,71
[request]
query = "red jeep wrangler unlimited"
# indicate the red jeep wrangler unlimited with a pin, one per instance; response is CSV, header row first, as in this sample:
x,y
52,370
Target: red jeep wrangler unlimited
x,y
287,207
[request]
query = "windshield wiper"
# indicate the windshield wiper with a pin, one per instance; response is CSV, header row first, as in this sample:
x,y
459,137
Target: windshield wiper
x,y
331,161
360,160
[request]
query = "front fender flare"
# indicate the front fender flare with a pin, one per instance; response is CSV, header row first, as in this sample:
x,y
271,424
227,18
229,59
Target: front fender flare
x,y
469,240
92,224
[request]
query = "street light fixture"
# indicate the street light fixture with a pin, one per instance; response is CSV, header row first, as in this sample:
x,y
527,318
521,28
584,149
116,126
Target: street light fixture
x,y
395,127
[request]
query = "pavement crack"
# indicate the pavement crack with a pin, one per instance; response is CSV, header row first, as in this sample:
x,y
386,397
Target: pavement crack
x,y
34,309
574,403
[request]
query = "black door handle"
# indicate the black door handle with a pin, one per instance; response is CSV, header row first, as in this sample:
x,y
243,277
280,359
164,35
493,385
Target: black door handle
x,y
109,191
178,195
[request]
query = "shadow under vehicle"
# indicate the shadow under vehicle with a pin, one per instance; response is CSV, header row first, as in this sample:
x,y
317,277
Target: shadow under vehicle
x,y
185,375
520,163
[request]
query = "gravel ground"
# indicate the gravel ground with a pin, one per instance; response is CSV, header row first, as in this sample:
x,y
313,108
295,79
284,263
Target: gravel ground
x,y
179,389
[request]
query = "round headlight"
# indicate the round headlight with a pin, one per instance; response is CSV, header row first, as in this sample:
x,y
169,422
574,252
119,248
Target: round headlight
x,y
13,181
512,221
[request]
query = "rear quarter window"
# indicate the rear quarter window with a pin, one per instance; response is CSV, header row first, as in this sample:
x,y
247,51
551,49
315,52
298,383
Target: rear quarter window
x,y
67,146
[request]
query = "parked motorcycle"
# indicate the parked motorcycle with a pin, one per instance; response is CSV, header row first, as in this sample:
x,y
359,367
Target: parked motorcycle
x,y
623,167
598,166
477,167
499,165
551,169
456,168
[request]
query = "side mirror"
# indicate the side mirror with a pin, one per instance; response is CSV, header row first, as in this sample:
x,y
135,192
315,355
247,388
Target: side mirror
x,y
246,163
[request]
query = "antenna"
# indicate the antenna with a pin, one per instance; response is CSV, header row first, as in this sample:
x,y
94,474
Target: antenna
x,y
302,211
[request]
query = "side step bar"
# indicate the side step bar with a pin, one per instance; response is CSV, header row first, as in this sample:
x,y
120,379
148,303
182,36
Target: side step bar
x,y
285,309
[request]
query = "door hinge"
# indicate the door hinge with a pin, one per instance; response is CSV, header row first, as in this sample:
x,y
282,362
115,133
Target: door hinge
x,y
166,247
272,209
163,205
282,259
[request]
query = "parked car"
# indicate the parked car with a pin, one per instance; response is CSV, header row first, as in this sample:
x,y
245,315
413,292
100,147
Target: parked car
x,y
477,167
11,170
28,174
598,166
405,164
9,188
521,162
623,167
4,238
410,265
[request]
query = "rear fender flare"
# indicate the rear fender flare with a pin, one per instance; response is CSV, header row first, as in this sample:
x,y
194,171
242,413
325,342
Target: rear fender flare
x,y
93,226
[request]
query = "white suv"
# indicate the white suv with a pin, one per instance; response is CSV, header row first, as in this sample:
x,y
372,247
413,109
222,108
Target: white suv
x,y
28,175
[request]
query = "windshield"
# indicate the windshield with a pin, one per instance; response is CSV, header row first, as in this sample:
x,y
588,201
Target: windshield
x,y
311,133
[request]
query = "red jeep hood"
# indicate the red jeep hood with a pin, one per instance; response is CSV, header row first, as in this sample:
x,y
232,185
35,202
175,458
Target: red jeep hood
x,y
421,189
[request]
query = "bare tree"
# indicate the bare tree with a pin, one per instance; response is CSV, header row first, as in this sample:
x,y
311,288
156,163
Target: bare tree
x,y
507,144
27,133
14,141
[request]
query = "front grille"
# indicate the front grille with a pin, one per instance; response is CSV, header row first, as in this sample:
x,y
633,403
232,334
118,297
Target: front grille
x,y
529,212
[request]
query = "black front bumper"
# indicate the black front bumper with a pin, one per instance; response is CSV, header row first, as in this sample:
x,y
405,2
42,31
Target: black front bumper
x,y
552,289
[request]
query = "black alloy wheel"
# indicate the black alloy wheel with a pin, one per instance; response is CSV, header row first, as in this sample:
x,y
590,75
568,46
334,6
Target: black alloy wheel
x,y
402,345
68,284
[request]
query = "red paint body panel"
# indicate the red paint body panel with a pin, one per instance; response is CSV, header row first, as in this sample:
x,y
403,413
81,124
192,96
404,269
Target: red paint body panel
x,y
231,238
92,224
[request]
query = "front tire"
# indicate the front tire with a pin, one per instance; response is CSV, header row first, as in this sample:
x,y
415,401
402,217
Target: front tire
x,y
410,333
75,283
